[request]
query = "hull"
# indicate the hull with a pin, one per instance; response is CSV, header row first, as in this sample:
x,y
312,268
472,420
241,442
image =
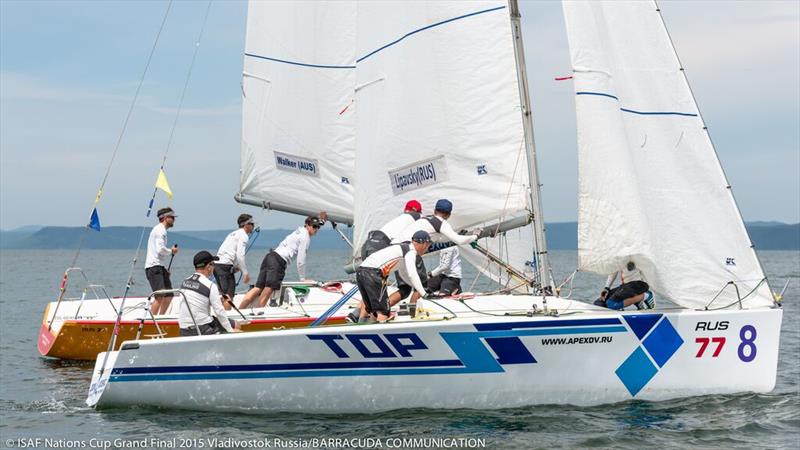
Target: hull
x,y
84,329
483,362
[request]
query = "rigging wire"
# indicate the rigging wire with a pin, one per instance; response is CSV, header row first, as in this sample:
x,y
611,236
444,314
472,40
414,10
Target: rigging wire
x,y
63,285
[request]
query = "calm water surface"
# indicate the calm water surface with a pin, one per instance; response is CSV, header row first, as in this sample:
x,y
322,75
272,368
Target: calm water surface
x,y
44,398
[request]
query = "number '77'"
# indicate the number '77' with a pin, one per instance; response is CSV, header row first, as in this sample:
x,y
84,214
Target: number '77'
x,y
704,341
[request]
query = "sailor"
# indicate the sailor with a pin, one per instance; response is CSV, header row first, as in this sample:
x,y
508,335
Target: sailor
x,y
440,231
273,267
446,277
373,273
158,258
633,290
231,256
380,239
203,306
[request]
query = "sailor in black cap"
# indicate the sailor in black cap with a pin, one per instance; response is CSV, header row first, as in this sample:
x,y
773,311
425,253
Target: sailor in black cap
x,y
373,273
232,256
203,306
158,257
273,267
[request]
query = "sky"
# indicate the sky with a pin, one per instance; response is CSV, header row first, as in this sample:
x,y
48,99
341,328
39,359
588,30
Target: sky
x,y
69,70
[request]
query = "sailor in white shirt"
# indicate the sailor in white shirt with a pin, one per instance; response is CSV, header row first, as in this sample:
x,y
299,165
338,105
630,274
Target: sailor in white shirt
x,y
633,290
273,267
446,277
232,256
440,231
203,309
379,239
156,265
372,274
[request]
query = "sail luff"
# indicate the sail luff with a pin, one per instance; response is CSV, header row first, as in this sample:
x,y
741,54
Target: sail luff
x,y
539,239
713,147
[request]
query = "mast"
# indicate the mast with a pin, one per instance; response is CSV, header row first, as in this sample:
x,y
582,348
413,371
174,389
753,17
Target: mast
x,y
539,241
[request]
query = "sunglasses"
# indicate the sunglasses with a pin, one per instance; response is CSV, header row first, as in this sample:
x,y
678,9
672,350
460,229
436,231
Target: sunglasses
x,y
316,227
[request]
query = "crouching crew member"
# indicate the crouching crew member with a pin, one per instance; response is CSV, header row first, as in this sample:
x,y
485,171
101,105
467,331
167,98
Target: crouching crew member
x,y
633,290
446,277
380,239
231,256
440,231
372,276
273,267
203,305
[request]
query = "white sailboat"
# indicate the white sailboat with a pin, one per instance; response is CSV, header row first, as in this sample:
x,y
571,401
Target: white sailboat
x,y
443,111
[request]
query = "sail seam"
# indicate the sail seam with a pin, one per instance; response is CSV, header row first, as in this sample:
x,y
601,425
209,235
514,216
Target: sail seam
x,y
427,27
633,111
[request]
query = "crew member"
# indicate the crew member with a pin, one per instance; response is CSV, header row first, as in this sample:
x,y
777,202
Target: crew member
x,y
633,290
446,277
231,256
380,239
158,258
373,273
203,306
273,267
440,231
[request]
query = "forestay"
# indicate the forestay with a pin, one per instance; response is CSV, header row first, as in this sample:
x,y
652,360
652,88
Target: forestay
x,y
439,112
651,188
298,132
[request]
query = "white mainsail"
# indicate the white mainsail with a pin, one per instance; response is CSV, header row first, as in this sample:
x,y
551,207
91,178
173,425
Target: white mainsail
x,y
651,188
298,120
439,113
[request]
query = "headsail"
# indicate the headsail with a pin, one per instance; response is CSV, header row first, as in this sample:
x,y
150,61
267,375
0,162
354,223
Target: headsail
x,y
439,112
651,188
298,120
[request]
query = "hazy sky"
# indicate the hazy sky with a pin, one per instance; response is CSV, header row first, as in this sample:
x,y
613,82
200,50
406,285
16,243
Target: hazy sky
x,y
68,71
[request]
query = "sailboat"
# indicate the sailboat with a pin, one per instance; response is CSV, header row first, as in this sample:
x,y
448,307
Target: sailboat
x,y
307,169
443,111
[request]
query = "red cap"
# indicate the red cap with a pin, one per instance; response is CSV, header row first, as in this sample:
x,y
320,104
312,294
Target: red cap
x,y
413,205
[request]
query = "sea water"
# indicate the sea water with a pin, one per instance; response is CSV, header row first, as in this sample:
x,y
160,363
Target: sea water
x,y
42,401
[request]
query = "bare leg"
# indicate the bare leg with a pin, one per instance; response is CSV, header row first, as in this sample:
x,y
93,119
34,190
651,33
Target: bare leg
x,y
251,295
156,305
394,298
165,301
264,297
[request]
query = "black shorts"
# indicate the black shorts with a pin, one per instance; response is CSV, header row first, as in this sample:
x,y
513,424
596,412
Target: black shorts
x,y
158,278
376,240
627,290
272,272
444,284
373,290
226,280
403,287
213,327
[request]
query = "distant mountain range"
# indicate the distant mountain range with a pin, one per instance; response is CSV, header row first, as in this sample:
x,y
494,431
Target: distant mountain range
x,y
560,236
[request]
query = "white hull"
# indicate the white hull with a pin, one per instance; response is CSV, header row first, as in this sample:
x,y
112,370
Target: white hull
x,y
588,357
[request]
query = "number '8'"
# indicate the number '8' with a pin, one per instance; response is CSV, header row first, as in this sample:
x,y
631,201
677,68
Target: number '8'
x,y
748,336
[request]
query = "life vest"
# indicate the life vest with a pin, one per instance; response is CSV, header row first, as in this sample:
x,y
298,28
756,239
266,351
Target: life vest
x,y
193,284
435,222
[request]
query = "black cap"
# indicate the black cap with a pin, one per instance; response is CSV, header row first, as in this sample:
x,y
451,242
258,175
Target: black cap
x,y
421,236
314,221
244,219
165,212
202,258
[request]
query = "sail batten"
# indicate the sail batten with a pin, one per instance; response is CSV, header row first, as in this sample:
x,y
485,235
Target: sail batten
x,y
298,146
651,189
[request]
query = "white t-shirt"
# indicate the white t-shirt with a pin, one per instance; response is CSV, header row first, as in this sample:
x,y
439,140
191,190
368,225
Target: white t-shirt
x,y
391,259
449,263
233,248
293,246
157,251
204,300
396,226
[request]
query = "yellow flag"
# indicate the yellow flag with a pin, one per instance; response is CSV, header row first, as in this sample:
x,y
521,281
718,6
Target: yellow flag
x,y
161,183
